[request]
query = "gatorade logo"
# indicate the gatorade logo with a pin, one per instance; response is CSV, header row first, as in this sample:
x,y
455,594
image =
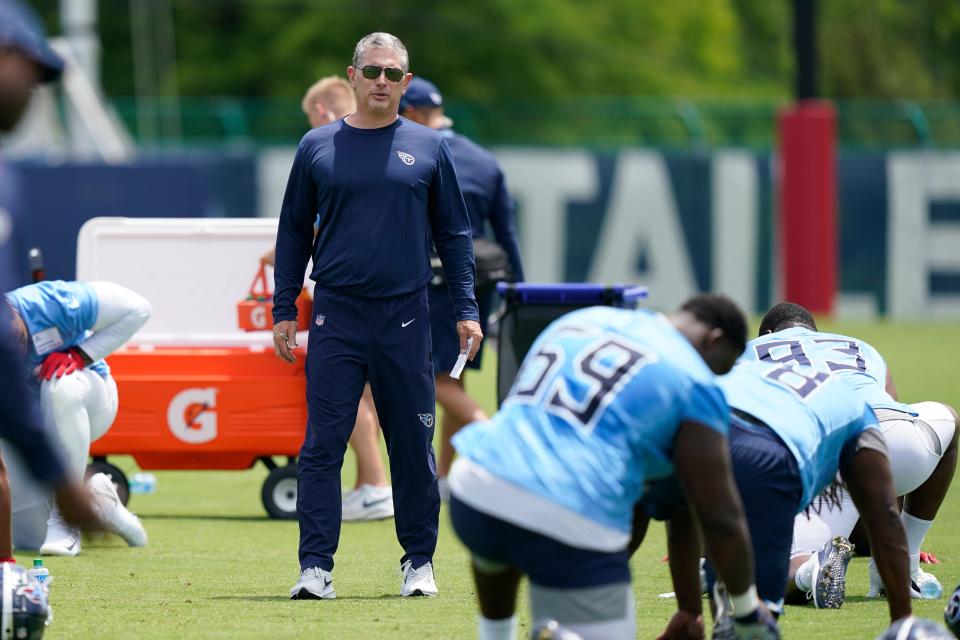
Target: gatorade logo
x,y
258,317
191,415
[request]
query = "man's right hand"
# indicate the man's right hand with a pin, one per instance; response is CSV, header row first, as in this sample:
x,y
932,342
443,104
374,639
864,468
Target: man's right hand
x,y
285,339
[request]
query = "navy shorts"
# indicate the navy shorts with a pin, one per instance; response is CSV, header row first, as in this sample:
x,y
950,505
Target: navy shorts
x,y
545,561
769,483
443,327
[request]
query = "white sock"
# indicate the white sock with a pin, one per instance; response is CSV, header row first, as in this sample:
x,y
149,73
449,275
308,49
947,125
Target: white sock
x,y
916,531
804,576
505,629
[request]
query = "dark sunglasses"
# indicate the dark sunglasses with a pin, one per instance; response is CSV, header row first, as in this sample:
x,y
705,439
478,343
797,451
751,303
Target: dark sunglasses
x,y
373,71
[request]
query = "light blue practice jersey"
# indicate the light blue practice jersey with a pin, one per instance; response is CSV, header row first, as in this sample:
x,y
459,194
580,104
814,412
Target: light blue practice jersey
x,y
814,413
857,362
59,315
594,412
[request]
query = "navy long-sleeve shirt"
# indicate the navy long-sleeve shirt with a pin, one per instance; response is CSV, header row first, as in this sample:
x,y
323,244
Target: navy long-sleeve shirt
x,y
20,421
377,196
486,195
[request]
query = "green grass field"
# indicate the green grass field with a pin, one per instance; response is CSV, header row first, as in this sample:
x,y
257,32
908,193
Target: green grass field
x,y
217,567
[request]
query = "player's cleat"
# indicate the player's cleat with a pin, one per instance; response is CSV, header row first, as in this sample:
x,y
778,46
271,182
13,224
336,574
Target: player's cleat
x,y
61,539
368,502
417,582
314,584
923,585
115,517
763,626
723,625
830,573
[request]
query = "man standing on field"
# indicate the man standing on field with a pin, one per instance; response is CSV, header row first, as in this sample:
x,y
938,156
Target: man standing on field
x,y
382,187
327,100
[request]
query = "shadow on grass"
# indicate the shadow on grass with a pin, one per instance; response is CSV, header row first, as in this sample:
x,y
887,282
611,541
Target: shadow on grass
x,y
251,598
864,599
221,517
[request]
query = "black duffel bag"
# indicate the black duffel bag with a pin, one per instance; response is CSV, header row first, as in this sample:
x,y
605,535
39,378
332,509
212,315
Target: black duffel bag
x,y
493,264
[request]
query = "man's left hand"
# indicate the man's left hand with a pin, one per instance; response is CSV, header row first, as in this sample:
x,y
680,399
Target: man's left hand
x,y
468,329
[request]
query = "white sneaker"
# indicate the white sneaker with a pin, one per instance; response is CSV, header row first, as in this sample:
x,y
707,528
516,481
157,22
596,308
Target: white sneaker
x,y
923,585
115,517
368,503
314,584
61,539
417,582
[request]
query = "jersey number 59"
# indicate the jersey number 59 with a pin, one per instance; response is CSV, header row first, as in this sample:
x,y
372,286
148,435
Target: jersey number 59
x,y
580,392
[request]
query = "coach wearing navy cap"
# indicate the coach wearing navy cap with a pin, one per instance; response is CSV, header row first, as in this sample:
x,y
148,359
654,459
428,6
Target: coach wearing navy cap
x,y
488,203
421,93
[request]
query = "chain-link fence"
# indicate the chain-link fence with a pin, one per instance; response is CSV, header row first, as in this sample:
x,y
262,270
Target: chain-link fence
x,y
594,122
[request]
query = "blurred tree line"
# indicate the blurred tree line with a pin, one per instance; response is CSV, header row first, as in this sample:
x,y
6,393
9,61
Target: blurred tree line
x,y
483,51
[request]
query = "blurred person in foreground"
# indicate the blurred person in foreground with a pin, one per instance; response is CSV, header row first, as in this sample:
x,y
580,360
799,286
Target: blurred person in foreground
x,y
488,201
921,443
327,100
382,186
606,401
26,60
66,329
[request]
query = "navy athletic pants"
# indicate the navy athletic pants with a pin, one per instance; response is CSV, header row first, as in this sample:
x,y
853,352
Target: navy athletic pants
x,y
769,484
386,341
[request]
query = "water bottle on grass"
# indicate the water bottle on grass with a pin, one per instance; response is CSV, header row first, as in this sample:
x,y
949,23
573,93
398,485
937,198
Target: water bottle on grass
x,y
143,483
40,572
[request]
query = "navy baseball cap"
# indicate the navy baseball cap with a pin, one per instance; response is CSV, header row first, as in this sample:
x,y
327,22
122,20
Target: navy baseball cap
x,y
421,93
21,29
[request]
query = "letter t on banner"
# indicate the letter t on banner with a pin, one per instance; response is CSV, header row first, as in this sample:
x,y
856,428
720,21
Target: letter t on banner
x,y
808,204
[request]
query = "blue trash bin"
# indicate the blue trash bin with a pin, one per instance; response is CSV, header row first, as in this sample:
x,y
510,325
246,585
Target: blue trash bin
x,y
528,309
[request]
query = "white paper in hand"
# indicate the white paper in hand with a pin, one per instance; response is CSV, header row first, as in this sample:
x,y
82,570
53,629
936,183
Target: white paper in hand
x,y
461,360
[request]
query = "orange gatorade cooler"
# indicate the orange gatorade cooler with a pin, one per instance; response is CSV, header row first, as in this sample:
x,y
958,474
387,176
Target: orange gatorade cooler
x,y
196,391
210,407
